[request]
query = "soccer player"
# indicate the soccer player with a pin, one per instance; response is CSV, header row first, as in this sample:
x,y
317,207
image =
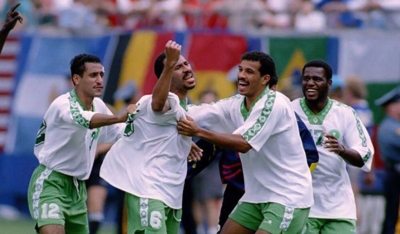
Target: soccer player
x,y
11,20
65,147
340,138
278,192
230,166
149,161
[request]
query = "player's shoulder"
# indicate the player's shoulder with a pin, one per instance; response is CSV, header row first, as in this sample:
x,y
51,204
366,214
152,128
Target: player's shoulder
x,y
61,101
341,107
296,101
233,98
276,100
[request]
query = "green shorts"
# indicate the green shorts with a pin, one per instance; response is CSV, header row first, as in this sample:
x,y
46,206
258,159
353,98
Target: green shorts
x,y
328,226
151,216
55,198
271,217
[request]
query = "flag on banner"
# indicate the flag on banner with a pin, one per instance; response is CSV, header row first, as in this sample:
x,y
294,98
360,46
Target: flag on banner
x,y
142,48
211,57
291,53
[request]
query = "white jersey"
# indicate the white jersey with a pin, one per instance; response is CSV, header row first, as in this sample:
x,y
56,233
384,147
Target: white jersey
x,y
275,169
333,194
64,141
150,160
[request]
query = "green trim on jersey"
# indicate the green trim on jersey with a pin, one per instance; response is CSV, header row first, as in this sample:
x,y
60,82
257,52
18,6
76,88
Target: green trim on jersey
x,y
269,103
41,134
76,115
183,104
75,96
360,130
315,119
129,128
243,110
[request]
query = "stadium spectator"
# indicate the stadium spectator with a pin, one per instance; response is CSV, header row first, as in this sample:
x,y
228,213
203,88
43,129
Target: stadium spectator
x,y
242,16
154,189
133,12
9,24
259,118
308,19
341,139
166,14
389,147
344,13
390,10
65,147
85,21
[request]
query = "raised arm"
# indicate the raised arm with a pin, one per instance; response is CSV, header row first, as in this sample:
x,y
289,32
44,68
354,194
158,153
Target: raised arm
x,y
11,19
162,87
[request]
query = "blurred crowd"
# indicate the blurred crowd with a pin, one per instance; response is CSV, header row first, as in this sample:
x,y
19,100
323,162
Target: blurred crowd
x,y
242,16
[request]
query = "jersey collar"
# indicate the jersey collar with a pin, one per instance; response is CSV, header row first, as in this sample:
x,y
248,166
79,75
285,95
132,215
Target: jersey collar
x,y
245,113
76,98
183,104
315,119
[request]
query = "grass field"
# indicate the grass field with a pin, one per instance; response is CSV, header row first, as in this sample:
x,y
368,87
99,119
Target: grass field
x,y
26,226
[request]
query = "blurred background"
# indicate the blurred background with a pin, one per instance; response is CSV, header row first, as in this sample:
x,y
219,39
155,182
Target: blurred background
x,y
358,38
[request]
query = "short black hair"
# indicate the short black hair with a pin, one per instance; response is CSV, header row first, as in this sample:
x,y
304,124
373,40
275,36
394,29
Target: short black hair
x,y
267,64
78,63
273,81
159,64
319,63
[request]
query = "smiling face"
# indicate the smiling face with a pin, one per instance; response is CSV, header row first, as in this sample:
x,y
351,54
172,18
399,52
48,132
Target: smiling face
x,y
315,85
250,81
183,76
91,81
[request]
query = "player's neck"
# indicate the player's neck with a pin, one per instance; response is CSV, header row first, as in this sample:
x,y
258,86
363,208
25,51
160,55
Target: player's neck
x,y
316,106
84,100
182,94
251,99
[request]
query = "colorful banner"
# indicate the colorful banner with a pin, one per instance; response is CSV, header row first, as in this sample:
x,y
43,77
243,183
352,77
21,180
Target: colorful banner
x,y
291,53
212,56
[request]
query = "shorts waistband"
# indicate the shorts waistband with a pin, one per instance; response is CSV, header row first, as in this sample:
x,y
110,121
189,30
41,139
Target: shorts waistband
x,y
56,173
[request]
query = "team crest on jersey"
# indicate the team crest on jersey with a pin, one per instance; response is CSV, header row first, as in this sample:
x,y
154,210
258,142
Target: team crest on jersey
x,y
334,133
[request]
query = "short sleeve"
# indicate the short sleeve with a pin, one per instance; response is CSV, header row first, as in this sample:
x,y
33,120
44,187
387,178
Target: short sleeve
x,y
168,116
357,138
